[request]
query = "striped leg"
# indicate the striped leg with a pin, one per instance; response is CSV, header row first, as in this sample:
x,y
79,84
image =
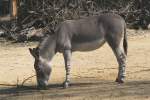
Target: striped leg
x,y
67,58
121,58
118,49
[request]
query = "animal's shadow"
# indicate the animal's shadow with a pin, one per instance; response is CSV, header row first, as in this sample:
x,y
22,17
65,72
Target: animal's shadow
x,y
107,88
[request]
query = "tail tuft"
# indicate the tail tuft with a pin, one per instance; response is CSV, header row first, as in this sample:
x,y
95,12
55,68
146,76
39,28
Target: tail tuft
x,y
125,43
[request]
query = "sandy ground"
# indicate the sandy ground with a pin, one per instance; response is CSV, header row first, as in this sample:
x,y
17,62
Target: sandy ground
x,y
93,73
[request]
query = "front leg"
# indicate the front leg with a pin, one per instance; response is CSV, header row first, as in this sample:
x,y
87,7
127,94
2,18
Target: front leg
x,y
67,58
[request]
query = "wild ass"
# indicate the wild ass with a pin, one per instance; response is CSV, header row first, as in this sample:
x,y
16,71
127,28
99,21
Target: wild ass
x,y
81,35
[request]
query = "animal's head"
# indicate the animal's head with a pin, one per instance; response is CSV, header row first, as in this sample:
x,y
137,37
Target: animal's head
x,y
42,68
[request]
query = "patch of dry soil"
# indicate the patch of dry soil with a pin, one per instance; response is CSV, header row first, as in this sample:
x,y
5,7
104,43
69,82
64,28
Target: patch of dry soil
x,y
93,73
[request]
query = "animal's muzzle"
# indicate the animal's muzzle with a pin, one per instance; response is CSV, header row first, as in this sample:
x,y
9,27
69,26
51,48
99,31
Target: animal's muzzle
x,y
42,84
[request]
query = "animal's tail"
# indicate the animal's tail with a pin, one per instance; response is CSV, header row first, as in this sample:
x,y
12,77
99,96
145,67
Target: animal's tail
x,y
125,42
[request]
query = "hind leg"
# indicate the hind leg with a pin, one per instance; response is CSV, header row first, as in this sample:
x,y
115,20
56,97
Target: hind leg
x,y
117,47
121,58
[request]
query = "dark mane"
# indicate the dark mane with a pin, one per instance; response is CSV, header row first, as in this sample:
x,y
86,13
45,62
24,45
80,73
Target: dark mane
x,y
47,46
43,43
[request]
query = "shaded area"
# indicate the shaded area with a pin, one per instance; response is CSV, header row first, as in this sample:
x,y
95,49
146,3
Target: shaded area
x,y
94,90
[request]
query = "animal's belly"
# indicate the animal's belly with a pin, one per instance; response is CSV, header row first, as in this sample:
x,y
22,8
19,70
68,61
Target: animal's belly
x,y
87,46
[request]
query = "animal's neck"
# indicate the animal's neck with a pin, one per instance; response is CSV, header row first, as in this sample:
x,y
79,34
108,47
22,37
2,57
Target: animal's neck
x,y
47,47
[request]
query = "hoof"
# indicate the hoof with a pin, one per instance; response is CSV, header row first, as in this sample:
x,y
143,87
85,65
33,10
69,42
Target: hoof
x,y
66,85
120,81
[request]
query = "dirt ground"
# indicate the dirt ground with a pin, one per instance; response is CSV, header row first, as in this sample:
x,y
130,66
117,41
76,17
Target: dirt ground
x,y
93,73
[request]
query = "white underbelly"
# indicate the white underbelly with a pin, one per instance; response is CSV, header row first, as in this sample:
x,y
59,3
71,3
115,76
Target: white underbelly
x,y
87,46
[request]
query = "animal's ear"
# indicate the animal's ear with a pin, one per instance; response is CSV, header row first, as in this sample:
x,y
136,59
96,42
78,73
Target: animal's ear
x,y
33,52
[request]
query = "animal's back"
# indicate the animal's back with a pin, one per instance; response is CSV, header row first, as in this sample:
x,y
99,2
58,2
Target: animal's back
x,y
89,31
